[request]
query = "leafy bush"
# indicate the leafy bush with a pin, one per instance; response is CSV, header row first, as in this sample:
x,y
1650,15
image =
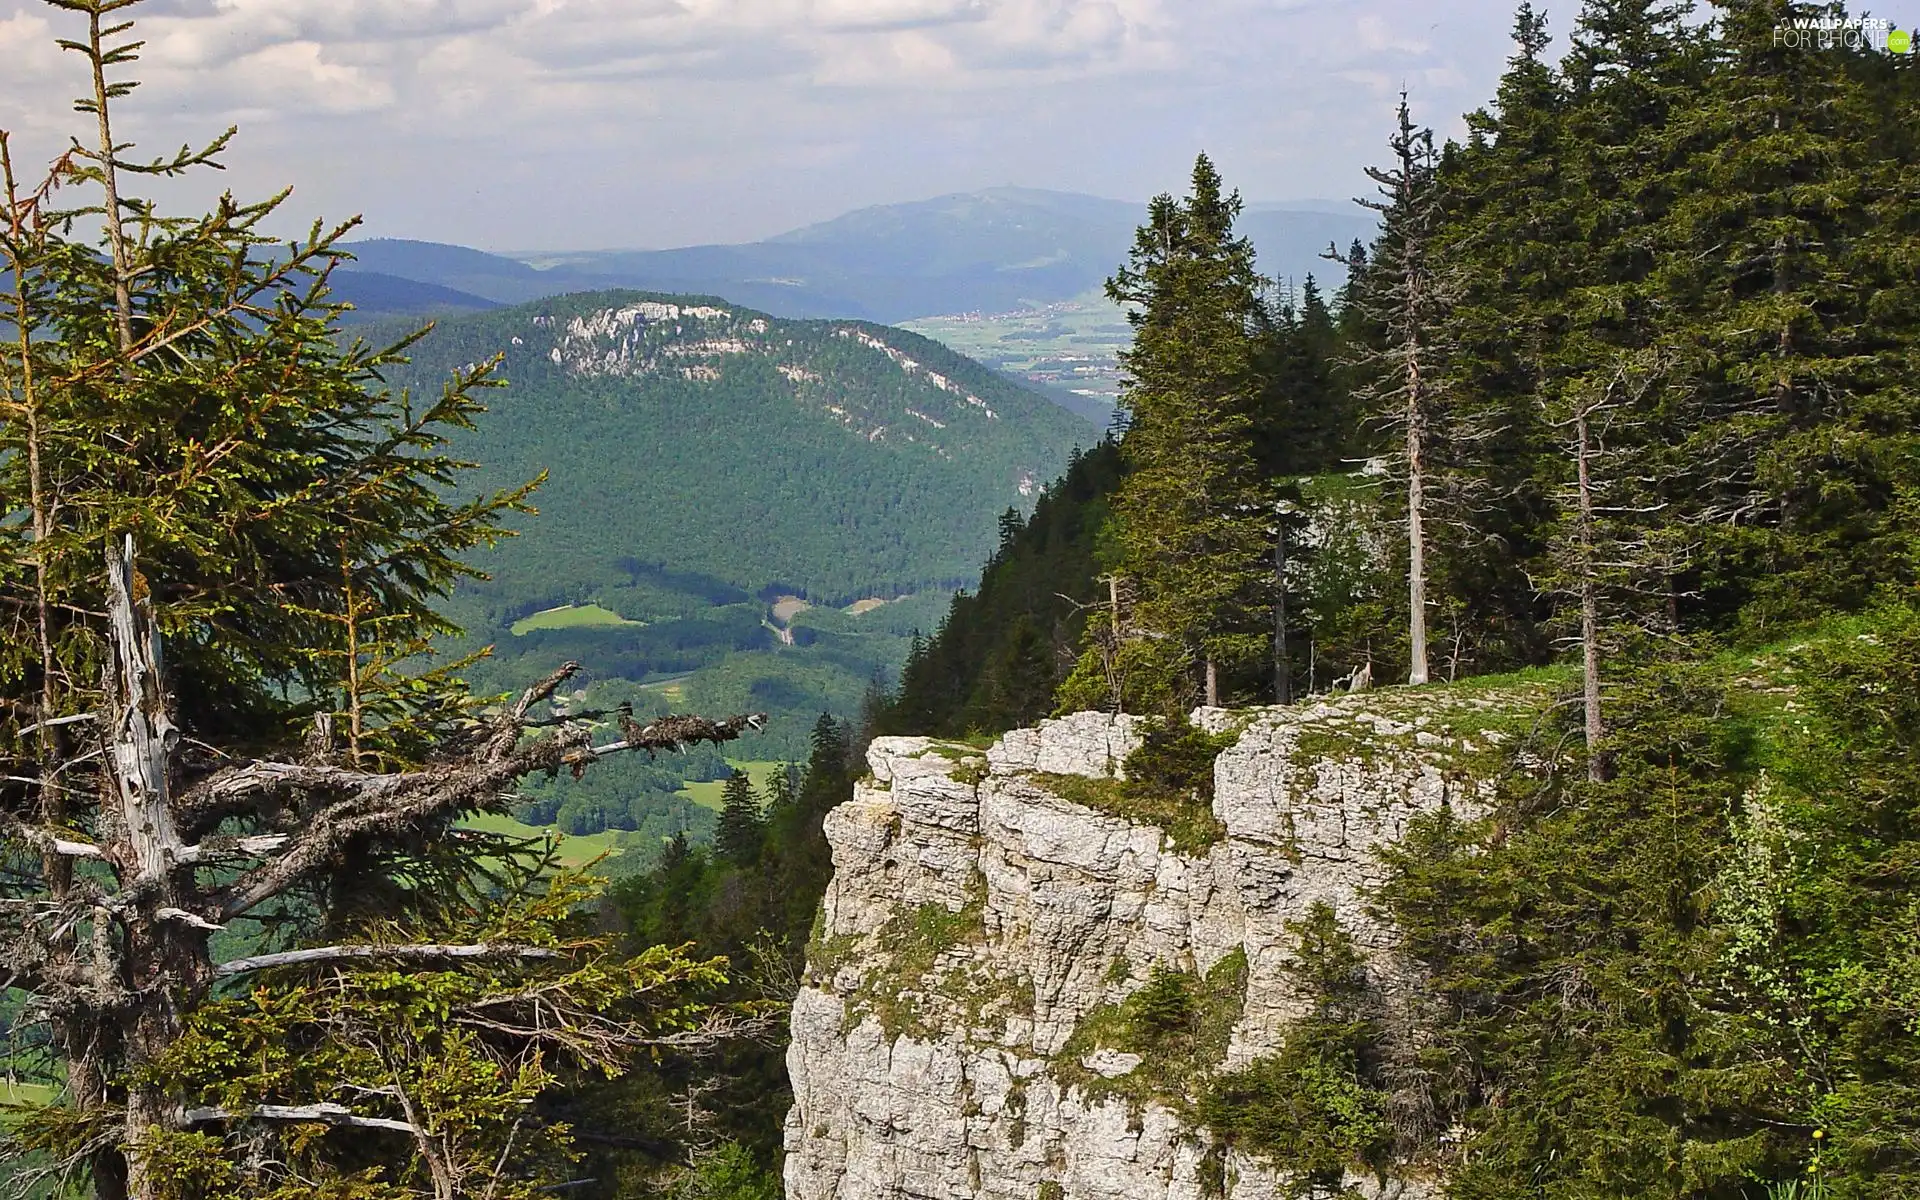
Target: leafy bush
x,y
1316,1108
729,1172
1310,1108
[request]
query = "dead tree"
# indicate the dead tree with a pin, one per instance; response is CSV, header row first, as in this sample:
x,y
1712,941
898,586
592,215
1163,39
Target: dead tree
x,y
1610,557
1402,291
186,843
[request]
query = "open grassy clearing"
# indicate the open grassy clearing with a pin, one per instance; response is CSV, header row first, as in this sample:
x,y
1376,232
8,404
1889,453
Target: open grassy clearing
x,y
707,794
13,1092
574,851
570,616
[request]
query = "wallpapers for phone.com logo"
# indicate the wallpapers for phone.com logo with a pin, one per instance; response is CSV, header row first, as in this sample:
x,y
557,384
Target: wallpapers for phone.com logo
x,y
1849,33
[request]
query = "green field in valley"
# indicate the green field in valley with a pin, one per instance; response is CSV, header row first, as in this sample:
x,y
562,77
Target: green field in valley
x,y
1073,345
707,794
27,1093
570,616
575,851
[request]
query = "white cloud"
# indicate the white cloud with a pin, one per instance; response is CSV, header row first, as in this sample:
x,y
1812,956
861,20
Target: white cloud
x,y
894,14
1376,33
527,122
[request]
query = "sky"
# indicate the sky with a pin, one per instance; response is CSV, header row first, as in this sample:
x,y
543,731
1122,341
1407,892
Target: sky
x,y
523,125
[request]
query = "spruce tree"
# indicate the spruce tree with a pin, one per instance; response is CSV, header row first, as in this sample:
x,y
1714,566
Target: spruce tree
x,y
1192,511
742,826
1787,264
1509,233
1402,292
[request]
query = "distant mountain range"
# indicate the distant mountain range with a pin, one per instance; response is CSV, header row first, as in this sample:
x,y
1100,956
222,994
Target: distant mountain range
x,y
991,251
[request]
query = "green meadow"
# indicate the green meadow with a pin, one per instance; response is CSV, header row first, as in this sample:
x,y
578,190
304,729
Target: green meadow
x,y
570,616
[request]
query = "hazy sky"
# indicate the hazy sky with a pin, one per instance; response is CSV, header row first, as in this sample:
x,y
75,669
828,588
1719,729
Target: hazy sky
x,y
573,124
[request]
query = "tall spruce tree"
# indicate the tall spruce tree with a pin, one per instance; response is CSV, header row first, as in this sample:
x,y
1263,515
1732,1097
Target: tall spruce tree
x,y
1192,511
1787,271
1508,234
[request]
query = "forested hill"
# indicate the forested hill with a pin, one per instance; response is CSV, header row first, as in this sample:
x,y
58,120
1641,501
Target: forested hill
x,y
832,459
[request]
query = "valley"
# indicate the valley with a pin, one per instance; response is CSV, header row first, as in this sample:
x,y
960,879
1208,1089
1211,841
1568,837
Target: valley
x,y
738,513
1069,349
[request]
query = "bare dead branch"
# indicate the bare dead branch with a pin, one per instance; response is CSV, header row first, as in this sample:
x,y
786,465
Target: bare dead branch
x,y
331,1114
415,953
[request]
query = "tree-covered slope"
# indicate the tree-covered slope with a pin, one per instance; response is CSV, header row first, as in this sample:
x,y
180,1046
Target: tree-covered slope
x,y
833,459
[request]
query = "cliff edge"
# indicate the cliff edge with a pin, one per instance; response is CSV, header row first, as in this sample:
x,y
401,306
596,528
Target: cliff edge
x,y
992,913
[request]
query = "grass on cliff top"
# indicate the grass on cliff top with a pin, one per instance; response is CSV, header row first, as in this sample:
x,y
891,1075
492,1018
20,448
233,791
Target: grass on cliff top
x,y
1169,785
1187,821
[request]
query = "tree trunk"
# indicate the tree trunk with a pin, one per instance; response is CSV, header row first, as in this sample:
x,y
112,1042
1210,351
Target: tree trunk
x,y
1589,605
1213,683
166,964
1416,538
1282,665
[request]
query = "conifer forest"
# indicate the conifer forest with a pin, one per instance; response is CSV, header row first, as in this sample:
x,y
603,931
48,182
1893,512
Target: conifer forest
x,y
1622,401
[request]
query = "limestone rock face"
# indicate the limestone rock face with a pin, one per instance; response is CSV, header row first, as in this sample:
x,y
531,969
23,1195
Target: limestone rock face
x,y
977,917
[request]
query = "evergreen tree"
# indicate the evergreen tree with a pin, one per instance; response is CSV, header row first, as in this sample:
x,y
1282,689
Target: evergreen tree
x,y
1002,652
1786,268
1191,514
225,538
742,827
1508,238
1303,426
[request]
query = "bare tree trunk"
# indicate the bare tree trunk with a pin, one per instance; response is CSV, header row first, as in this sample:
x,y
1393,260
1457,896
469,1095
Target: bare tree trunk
x,y
1116,686
1589,604
1416,532
1282,665
1213,683
166,963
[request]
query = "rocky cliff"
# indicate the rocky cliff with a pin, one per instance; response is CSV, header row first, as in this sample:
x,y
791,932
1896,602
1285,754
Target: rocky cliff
x,y
992,911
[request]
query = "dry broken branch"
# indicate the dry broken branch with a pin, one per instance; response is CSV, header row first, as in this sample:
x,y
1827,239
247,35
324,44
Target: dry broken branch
x,y
411,953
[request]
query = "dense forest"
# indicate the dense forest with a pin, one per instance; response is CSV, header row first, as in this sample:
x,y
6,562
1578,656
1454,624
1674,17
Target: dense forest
x,y
1638,345
691,444
1621,396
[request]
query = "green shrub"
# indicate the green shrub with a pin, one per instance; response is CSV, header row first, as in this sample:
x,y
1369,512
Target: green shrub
x,y
1177,758
1178,1024
1325,962
728,1172
1169,785
1310,1108
1164,1007
1316,1108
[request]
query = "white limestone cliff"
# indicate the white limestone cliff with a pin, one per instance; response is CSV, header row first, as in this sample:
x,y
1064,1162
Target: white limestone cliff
x,y
977,917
